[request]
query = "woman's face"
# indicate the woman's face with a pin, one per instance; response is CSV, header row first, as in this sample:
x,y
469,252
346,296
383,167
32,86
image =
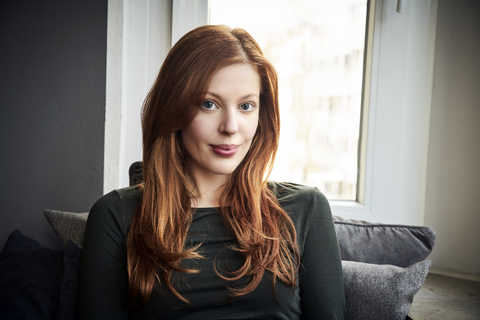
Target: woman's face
x,y
221,132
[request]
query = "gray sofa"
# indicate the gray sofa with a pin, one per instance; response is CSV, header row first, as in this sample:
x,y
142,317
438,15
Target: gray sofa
x,y
383,265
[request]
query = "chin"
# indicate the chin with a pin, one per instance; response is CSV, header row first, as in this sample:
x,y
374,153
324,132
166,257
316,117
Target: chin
x,y
224,172
225,169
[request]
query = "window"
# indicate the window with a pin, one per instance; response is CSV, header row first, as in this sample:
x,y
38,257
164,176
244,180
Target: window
x,y
317,48
394,127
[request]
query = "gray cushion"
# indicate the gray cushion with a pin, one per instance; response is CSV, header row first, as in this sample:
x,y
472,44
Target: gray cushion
x,y
381,291
377,243
67,225
360,241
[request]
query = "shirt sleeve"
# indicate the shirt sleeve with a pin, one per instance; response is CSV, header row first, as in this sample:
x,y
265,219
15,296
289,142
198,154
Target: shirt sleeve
x,y
102,283
321,277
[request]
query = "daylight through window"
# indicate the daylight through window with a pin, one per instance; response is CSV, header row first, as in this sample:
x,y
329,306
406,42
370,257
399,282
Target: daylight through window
x,y
317,47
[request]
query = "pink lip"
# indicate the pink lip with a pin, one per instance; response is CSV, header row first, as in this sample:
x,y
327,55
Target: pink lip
x,y
224,150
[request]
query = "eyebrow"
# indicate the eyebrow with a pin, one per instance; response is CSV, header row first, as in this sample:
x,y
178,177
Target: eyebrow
x,y
251,95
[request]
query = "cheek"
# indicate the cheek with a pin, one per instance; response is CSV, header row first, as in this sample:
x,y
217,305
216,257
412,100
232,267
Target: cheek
x,y
252,127
252,131
194,132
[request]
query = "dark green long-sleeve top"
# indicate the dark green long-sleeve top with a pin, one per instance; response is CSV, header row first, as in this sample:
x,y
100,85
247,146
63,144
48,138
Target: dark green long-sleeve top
x,y
103,285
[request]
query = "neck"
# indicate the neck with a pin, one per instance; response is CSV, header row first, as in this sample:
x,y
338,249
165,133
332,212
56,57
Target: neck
x,y
207,190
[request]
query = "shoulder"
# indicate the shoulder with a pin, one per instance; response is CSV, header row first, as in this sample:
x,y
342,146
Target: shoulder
x,y
292,193
306,205
126,197
116,207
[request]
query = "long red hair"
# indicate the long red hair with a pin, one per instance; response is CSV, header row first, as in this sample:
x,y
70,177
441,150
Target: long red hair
x,y
265,233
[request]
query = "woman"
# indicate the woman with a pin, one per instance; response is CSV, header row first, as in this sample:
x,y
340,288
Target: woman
x,y
205,236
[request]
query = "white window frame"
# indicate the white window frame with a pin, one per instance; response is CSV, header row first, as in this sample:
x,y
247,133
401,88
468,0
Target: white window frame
x,y
398,86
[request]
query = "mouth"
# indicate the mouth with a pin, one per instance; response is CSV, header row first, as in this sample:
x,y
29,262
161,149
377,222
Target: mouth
x,y
224,150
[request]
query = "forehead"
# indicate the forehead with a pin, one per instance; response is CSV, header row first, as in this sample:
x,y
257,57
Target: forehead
x,y
242,78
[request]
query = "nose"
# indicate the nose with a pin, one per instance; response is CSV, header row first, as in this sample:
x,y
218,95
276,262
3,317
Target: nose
x,y
229,122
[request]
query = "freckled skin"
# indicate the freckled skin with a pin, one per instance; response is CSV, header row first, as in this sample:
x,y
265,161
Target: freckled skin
x,y
228,116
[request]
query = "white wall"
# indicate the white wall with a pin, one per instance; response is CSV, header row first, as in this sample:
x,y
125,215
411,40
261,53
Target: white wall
x,y
452,206
139,37
113,100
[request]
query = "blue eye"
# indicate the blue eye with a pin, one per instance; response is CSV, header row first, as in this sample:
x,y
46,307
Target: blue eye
x,y
209,105
246,107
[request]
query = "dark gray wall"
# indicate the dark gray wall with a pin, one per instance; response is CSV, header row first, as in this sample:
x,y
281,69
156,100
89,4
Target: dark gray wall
x,y
52,111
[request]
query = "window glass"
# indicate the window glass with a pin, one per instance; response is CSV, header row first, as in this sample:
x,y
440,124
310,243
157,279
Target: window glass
x,y
317,48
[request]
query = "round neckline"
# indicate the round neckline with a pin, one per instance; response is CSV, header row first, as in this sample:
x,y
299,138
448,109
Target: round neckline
x,y
204,209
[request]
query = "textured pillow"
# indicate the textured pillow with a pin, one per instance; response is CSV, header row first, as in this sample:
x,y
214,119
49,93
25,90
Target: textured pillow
x,y
381,291
68,225
360,241
68,288
376,243
30,278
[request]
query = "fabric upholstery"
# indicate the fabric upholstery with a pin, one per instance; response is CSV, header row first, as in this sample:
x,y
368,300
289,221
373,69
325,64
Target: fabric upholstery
x,y
381,291
135,173
67,225
30,279
359,241
377,243
68,288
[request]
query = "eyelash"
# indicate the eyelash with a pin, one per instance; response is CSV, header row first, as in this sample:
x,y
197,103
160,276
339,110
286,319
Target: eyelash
x,y
251,104
207,101
215,105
